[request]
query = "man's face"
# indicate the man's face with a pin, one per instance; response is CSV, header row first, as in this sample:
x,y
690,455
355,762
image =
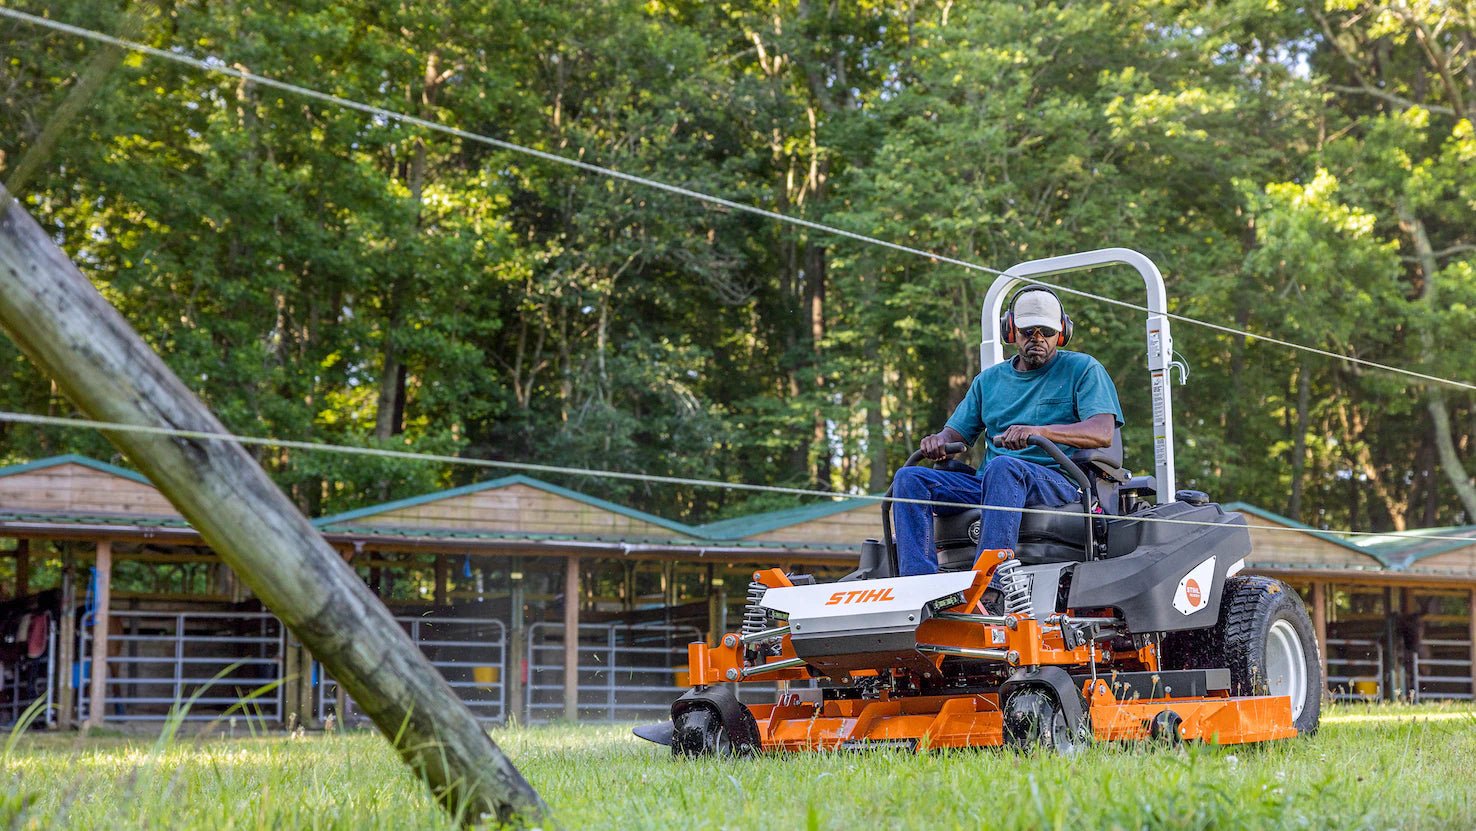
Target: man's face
x,y
1037,346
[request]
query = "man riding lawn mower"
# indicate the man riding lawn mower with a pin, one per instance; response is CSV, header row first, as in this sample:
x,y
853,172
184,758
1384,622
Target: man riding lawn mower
x,y
1113,613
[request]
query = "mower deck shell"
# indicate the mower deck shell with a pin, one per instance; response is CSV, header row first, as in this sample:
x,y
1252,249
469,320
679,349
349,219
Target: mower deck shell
x,y
934,722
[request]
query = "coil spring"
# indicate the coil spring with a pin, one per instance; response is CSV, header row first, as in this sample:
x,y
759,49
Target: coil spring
x,y
1016,589
755,617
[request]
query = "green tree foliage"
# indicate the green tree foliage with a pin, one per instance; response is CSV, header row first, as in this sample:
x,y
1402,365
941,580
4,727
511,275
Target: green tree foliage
x,y
1298,170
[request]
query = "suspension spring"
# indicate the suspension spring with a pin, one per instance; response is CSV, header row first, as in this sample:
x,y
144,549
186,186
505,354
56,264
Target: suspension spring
x,y
755,617
1016,589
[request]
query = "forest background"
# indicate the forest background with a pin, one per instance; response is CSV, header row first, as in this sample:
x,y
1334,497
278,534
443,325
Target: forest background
x,y
1302,170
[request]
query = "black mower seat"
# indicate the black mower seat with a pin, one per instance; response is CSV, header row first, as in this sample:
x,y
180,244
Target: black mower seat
x,y
1044,538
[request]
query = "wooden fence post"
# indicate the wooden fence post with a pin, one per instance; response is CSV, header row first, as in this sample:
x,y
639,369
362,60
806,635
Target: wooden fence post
x,y
66,642
571,638
515,645
55,315
97,695
1319,625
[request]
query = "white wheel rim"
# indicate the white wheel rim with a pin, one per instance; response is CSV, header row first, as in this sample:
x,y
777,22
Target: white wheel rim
x,y
1286,665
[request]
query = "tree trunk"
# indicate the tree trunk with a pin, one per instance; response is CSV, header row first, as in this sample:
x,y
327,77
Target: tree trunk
x,y
66,327
1299,444
815,306
1450,460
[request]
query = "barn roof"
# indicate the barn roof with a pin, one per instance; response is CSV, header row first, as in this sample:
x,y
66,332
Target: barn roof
x,y
80,492
371,513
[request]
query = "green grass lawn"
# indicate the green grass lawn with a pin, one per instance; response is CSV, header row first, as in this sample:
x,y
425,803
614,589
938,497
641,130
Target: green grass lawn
x,y
1369,767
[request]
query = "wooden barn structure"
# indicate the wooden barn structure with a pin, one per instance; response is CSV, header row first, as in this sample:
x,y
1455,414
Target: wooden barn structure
x,y
540,602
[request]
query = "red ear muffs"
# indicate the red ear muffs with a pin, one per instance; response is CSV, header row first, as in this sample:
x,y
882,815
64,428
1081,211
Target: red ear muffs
x,y
1009,334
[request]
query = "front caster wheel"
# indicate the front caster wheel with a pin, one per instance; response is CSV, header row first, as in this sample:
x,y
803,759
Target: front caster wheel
x,y
699,732
1033,718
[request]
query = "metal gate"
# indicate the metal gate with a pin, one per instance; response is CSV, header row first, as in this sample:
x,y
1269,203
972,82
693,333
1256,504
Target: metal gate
x,y
1446,673
625,672
163,658
471,653
1351,661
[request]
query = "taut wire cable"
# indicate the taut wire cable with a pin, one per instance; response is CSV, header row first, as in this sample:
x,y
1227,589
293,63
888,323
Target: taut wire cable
x,y
345,449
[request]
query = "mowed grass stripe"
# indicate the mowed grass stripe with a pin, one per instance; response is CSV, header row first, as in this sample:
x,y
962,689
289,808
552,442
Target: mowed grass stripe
x,y
1370,767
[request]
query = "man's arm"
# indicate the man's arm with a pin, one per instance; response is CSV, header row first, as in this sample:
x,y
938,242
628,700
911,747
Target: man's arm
x,y
1094,432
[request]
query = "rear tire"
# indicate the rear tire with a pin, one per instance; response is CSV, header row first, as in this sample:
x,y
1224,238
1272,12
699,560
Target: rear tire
x,y
1265,638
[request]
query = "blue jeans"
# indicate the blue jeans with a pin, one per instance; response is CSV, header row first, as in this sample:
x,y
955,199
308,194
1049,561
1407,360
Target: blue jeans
x,y
1006,481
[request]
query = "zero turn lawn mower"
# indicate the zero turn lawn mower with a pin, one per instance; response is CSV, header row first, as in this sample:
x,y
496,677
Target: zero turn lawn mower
x,y
1104,623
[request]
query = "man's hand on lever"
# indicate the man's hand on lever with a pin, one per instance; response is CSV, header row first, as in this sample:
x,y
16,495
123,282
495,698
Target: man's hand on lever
x,y
1094,432
934,446
1018,436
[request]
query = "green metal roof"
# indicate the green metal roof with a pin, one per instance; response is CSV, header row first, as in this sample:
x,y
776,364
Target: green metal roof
x,y
74,459
515,479
94,519
746,526
1415,549
692,543
1320,534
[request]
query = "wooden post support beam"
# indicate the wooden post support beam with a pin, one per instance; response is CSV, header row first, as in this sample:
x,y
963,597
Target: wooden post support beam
x,y
291,690
22,567
571,638
97,694
1319,624
56,316
66,642
516,644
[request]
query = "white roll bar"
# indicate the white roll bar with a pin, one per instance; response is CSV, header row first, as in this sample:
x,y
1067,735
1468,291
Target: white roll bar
x,y
1160,342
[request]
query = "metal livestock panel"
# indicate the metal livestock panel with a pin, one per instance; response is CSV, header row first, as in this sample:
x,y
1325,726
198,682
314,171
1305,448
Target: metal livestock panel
x,y
626,673
470,653
1354,660
161,659
1446,673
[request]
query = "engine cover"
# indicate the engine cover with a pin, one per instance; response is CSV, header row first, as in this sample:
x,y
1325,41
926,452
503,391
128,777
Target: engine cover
x,y
866,624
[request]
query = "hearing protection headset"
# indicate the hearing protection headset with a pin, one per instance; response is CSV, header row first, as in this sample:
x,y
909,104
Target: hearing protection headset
x,y
1007,331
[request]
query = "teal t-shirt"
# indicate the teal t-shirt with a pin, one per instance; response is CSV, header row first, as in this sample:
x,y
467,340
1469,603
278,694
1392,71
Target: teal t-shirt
x,y
1072,387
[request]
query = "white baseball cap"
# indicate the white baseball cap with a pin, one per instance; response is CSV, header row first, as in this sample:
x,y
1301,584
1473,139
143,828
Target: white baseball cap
x,y
1038,308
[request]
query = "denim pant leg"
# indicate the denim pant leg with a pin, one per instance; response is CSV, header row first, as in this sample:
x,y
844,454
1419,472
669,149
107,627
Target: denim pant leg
x,y
1015,483
914,523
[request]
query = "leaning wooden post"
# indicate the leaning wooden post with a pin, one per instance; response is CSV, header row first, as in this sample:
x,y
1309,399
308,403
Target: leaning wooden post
x,y
63,324
97,696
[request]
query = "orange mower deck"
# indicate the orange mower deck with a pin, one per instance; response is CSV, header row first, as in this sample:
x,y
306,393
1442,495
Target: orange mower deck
x,y
935,722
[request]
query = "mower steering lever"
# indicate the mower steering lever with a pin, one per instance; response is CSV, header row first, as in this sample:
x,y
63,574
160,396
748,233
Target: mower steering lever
x,y
950,448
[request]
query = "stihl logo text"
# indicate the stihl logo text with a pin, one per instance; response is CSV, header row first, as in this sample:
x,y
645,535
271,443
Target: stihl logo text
x,y
872,596
1191,591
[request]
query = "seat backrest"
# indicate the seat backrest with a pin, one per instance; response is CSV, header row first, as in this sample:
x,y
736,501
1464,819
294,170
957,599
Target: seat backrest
x,y
1103,466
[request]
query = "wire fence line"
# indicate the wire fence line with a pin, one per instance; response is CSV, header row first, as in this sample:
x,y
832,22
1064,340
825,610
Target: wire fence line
x,y
217,66
594,473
